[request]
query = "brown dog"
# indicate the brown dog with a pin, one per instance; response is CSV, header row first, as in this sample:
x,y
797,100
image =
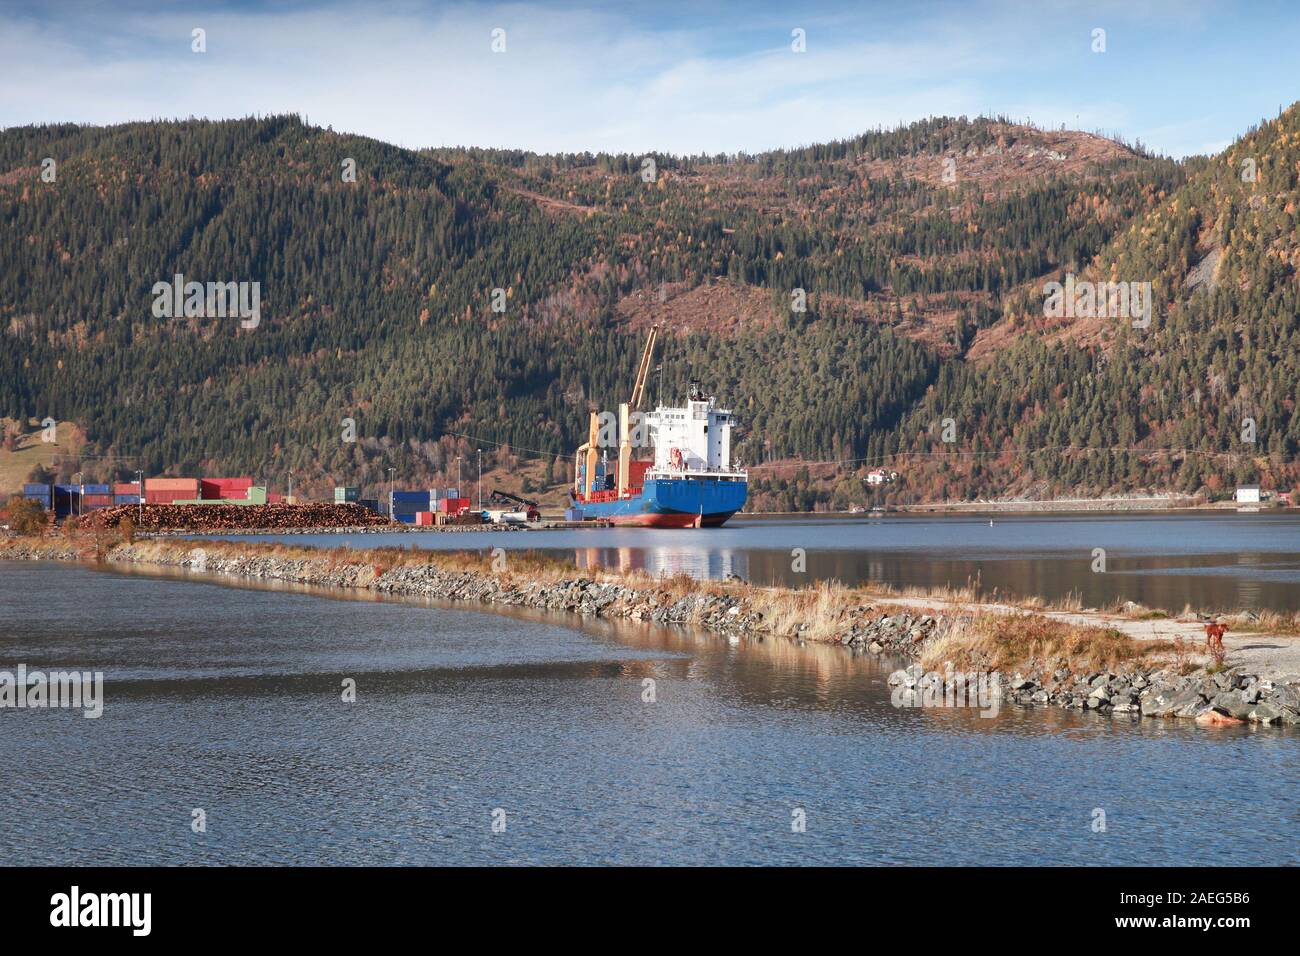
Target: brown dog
x,y
1214,636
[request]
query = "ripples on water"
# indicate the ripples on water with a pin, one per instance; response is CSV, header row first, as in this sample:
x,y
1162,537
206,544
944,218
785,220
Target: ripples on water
x,y
1209,560
229,699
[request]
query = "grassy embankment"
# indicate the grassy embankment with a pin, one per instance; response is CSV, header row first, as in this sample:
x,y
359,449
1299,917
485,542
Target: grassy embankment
x,y
969,634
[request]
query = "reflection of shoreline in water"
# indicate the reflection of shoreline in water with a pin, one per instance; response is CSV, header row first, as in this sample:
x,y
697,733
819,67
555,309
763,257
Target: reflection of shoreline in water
x,y
1210,561
1204,582
780,673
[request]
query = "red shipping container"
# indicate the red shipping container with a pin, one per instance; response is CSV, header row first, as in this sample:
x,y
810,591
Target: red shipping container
x,y
97,501
234,488
273,498
424,517
127,488
152,497
636,473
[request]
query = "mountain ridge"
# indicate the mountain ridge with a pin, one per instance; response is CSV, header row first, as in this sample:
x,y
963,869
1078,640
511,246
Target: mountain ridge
x,y
921,286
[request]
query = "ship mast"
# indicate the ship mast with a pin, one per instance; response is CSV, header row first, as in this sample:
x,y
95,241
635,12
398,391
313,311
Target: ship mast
x,y
638,389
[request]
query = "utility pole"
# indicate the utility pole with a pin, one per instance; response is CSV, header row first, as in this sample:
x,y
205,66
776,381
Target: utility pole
x,y
480,479
458,476
290,495
139,477
78,480
390,494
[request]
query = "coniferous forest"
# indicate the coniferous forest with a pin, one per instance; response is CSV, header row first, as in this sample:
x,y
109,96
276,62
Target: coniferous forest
x,y
872,302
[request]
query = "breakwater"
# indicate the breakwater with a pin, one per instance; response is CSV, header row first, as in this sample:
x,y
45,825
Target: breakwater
x,y
1137,683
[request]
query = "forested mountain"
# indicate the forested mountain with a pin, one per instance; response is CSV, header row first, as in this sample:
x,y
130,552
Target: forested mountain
x,y
845,298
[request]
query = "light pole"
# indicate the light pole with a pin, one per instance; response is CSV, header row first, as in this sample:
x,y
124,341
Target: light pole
x,y
480,479
81,490
390,494
458,476
139,503
290,484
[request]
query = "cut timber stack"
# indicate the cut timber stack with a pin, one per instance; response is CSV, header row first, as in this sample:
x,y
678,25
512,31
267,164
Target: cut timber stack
x,y
218,517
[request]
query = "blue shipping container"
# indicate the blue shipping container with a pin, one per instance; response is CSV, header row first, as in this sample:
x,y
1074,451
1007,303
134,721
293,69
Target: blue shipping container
x,y
36,489
405,518
126,499
98,489
422,495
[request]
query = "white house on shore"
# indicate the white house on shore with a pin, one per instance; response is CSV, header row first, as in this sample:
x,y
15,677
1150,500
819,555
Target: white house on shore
x,y
1248,495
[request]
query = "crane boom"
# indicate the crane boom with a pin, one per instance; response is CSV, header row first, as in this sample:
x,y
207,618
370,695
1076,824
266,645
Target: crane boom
x,y
643,369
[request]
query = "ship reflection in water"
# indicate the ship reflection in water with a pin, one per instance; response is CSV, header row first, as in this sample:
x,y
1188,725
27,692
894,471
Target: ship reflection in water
x,y
704,564
1208,560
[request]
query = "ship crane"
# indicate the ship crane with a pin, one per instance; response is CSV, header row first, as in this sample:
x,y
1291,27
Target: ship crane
x,y
624,416
588,450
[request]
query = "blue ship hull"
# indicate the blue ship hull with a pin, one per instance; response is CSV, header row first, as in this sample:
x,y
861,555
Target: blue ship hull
x,y
673,503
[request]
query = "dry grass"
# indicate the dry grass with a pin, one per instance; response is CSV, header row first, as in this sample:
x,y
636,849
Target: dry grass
x,y
1008,641
816,614
1265,622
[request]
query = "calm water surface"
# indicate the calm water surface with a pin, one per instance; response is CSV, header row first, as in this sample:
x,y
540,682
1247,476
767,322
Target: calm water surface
x,y
1211,561
228,699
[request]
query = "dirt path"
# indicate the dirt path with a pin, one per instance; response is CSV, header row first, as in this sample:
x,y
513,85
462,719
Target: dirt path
x,y
1268,655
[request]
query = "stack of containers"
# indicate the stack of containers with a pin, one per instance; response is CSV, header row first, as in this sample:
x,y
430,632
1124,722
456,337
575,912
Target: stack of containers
x,y
453,505
96,496
67,500
225,489
40,494
407,504
167,491
126,493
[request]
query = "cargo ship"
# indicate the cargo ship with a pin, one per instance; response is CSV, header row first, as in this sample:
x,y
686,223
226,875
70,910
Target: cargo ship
x,y
690,482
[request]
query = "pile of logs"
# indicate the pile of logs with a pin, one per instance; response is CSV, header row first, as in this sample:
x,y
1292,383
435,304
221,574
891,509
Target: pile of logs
x,y
235,517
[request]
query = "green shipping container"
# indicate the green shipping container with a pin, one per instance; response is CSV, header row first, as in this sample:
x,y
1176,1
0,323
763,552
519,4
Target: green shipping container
x,y
346,495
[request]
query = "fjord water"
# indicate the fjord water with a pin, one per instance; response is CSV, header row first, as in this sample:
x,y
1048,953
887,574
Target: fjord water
x,y
1209,560
229,699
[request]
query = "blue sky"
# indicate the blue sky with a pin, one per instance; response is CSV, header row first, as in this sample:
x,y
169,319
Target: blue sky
x,y
1182,76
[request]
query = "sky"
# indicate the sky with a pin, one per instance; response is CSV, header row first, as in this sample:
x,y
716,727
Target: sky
x,y
1180,76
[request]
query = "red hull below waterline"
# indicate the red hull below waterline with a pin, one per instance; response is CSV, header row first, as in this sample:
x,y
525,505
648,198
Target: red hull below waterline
x,y
669,520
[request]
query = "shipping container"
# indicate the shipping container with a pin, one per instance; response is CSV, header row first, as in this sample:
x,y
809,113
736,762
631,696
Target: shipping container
x,y
152,497
189,486
126,499
126,488
346,494
372,504
97,489
423,494
271,498
45,502
424,517
405,518
224,487
572,514
36,489
97,500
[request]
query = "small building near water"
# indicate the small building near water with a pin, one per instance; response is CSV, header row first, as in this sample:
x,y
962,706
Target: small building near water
x,y
1248,495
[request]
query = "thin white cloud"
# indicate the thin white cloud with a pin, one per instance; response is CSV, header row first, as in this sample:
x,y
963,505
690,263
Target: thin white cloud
x,y
571,79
